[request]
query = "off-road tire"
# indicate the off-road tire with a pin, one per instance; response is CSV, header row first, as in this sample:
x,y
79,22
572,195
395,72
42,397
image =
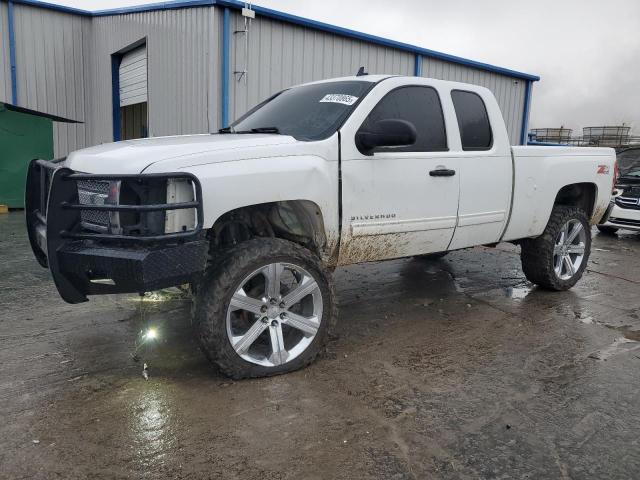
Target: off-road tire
x,y
607,230
537,253
218,285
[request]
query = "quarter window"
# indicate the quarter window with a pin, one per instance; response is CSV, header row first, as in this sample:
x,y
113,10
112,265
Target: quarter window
x,y
418,105
473,121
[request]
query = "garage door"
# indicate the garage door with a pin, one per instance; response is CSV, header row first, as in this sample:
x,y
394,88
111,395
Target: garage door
x,y
133,77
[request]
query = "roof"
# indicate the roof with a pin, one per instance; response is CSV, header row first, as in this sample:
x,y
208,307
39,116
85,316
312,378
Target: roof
x,y
28,111
285,17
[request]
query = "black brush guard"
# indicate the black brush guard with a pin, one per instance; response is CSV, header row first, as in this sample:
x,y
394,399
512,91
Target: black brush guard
x,y
86,263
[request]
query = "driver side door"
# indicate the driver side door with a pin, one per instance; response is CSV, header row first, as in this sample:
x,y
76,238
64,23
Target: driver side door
x,y
400,201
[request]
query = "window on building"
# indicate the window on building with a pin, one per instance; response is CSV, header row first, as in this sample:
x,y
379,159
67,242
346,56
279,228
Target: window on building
x,y
473,121
420,106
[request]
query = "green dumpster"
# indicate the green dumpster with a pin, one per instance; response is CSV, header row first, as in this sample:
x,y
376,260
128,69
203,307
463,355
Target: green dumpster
x,y
23,136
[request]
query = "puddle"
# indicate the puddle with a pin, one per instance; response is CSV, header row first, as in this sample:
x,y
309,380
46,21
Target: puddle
x,y
619,345
585,320
167,294
517,293
629,334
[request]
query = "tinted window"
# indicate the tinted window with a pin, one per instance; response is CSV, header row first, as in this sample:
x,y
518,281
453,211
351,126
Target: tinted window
x,y
308,112
473,121
418,105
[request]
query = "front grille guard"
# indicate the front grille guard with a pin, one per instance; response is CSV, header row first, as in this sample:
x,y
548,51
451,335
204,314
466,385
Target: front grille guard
x,y
53,213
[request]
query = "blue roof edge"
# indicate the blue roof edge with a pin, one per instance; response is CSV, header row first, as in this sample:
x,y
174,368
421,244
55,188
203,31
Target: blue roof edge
x,y
286,17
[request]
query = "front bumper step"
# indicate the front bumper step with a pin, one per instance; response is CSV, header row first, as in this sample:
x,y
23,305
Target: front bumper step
x,y
95,269
87,263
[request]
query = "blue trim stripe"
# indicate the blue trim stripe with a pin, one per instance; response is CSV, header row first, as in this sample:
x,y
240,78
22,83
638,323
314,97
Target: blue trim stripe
x,y
12,54
285,17
115,95
226,33
53,6
525,112
152,6
417,68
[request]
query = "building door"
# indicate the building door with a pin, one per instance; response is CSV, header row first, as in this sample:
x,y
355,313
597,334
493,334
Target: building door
x,y
132,75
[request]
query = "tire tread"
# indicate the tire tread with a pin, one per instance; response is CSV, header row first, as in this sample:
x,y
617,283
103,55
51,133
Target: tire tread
x,y
219,279
537,253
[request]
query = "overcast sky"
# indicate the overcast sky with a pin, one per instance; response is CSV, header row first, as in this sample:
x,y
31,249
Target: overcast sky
x,y
587,52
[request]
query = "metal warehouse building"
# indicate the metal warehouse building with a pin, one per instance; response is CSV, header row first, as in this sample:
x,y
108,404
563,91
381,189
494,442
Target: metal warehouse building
x,y
193,66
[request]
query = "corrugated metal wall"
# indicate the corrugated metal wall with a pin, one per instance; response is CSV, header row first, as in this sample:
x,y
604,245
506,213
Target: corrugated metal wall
x,y
5,64
50,69
281,54
509,91
64,67
183,78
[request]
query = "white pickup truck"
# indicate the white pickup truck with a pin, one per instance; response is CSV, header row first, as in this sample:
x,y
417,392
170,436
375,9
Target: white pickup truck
x,y
325,174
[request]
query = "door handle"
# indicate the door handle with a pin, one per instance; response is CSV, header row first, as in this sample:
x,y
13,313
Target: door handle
x,y
442,172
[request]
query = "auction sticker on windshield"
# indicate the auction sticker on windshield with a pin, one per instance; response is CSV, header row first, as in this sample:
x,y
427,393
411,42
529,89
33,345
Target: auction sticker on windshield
x,y
339,98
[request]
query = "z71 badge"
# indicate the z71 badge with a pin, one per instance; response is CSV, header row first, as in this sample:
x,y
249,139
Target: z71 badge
x,y
603,169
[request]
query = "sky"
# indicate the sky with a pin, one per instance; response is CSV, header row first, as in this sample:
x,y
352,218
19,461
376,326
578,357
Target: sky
x,y
586,52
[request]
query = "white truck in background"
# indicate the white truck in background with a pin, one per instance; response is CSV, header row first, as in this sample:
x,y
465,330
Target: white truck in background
x,y
325,174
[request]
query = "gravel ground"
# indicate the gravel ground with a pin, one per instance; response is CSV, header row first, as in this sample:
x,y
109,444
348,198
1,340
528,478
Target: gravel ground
x,y
455,368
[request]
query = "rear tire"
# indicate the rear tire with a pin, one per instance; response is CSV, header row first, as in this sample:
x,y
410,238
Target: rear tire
x,y
555,260
607,230
248,326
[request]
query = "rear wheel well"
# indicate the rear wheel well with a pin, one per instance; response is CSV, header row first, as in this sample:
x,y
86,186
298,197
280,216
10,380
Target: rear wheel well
x,y
299,221
581,195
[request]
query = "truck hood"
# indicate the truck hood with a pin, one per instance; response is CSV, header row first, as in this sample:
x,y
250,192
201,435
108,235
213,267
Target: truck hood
x,y
134,156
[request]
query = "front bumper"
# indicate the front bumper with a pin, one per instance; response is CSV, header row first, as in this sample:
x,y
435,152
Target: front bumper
x,y
624,218
87,263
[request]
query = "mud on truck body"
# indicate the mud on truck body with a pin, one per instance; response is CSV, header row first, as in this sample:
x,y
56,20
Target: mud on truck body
x,y
325,174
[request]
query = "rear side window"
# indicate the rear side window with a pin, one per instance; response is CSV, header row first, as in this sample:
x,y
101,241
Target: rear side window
x,y
473,121
420,106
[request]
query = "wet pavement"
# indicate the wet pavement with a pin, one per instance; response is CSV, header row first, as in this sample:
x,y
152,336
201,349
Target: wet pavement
x,y
455,368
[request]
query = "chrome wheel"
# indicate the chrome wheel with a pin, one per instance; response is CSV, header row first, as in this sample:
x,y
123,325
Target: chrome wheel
x,y
569,249
274,314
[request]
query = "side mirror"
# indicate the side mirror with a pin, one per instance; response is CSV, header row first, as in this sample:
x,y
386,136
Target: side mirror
x,y
386,133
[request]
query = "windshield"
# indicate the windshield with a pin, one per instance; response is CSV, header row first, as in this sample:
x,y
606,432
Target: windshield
x,y
629,162
309,112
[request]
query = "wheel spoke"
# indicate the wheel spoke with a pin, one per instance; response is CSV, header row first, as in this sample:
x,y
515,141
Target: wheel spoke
x,y
279,354
246,340
574,233
307,286
307,325
253,309
579,249
569,265
557,249
272,273
563,234
557,264
240,301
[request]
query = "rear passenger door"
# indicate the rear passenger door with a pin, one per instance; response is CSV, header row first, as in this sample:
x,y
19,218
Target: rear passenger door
x,y
398,201
485,169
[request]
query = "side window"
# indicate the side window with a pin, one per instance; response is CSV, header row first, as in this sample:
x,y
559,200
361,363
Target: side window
x,y
420,106
473,121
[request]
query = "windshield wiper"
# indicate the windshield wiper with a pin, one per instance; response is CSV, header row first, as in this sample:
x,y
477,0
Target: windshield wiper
x,y
259,130
253,130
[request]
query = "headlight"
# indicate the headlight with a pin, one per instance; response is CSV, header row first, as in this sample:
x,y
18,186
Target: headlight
x,y
99,192
180,190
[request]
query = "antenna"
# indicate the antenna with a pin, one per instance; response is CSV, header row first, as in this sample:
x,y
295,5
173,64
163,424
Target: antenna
x,y
361,72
